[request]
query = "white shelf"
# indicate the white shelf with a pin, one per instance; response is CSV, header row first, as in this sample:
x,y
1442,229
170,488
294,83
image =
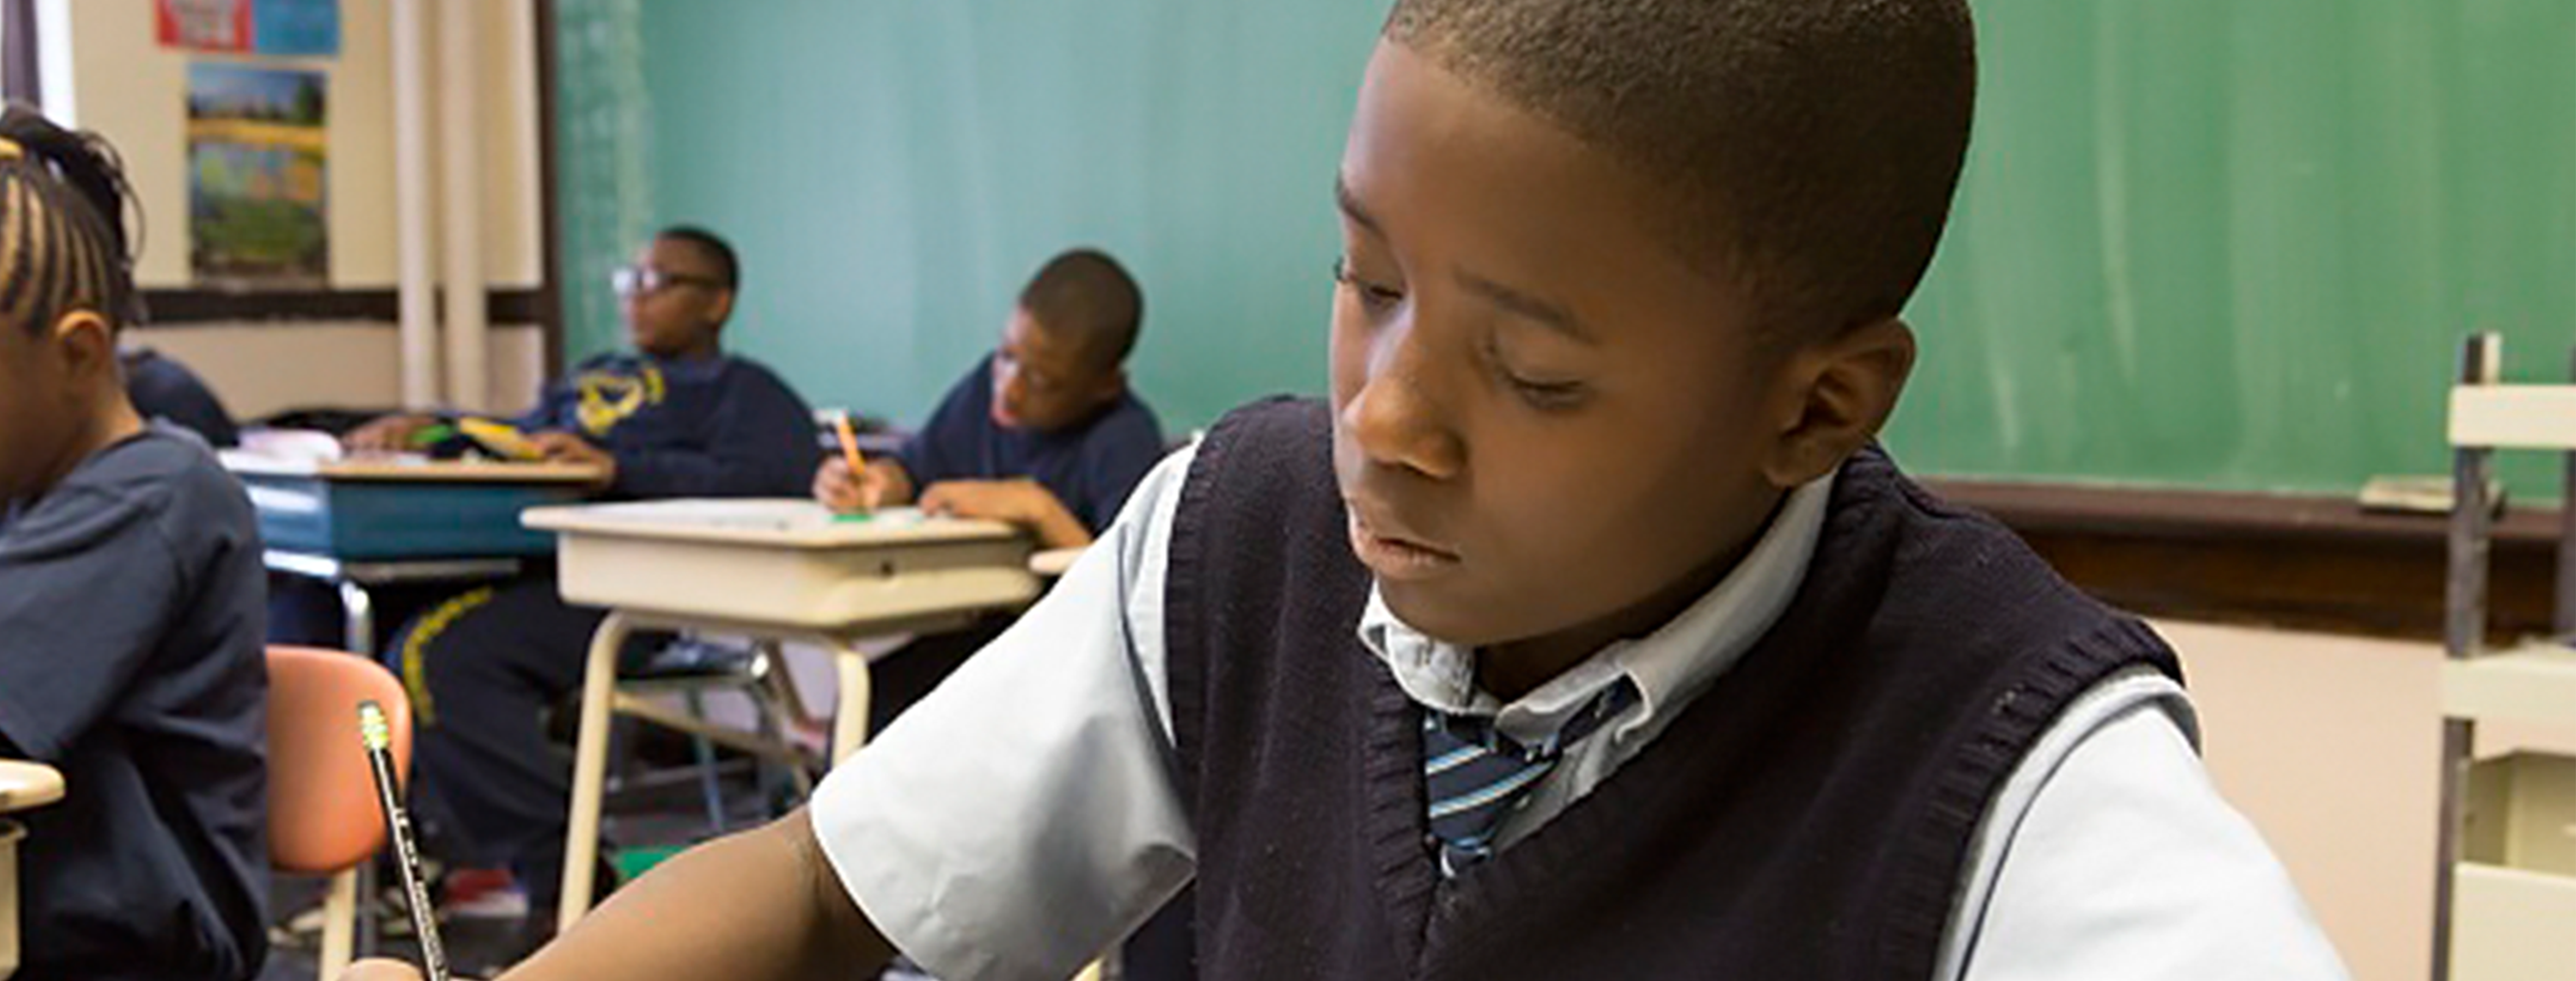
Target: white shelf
x,y
2531,684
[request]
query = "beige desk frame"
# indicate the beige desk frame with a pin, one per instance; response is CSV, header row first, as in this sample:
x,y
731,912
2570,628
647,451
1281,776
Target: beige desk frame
x,y
830,585
23,786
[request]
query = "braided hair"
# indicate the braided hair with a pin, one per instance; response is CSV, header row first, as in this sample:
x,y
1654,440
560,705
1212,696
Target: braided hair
x,y
63,241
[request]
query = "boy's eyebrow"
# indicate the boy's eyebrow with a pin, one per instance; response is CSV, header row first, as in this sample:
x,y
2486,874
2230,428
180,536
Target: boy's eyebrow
x,y
1352,209
1531,308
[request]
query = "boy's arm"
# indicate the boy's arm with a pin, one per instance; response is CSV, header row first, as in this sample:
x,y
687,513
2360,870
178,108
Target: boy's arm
x,y
763,905
2111,856
86,583
1021,502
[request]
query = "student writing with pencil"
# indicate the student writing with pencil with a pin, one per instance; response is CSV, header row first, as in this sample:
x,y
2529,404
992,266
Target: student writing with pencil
x,y
1044,433
1585,631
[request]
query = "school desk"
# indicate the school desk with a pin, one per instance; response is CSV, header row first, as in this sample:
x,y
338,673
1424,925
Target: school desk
x,y
365,524
1055,562
774,570
23,786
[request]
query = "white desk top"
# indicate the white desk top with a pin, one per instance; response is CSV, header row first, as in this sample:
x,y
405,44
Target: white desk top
x,y
784,563
415,470
1055,562
26,785
780,523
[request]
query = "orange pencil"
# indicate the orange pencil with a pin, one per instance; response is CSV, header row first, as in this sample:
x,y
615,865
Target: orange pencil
x,y
849,445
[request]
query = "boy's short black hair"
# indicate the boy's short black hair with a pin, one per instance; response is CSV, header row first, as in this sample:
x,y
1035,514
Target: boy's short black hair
x,y
1087,297
1811,147
63,244
718,251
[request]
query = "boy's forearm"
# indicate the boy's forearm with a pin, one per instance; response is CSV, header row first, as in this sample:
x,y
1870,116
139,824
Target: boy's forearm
x,y
1056,527
763,905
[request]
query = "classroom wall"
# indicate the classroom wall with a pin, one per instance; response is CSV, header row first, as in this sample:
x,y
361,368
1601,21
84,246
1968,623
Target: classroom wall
x,y
2331,745
2200,243
893,172
125,85
345,364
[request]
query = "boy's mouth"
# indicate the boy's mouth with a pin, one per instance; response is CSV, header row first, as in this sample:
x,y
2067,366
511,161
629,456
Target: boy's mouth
x,y
1395,556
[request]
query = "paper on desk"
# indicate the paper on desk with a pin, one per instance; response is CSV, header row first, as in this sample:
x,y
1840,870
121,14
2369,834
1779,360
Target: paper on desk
x,y
746,515
306,446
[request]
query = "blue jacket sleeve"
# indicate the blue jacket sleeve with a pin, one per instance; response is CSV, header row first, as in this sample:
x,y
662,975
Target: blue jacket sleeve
x,y
761,444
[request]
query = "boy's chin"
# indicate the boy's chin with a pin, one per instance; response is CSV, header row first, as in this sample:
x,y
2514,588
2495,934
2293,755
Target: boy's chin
x,y
1443,615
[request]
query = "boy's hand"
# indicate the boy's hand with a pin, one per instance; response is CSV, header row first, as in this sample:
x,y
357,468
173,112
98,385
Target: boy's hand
x,y
1022,502
563,447
390,434
839,490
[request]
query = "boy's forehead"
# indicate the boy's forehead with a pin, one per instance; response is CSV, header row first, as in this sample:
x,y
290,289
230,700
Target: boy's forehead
x,y
1436,162
672,255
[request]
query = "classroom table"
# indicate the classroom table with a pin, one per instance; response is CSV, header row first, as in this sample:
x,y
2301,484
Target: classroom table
x,y
479,543
1055,562
774,570
23,786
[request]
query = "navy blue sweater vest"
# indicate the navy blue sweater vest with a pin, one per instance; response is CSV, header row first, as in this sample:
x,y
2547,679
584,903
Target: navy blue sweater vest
x,y
1808,817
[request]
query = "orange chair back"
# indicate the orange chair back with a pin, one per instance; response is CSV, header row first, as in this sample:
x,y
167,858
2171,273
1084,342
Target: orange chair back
x,y
322,811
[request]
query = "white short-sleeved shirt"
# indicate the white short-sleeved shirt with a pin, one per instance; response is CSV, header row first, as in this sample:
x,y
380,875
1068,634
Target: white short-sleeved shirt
x,y
1024,818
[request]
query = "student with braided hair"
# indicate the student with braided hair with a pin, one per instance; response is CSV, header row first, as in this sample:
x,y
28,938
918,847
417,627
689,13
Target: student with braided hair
x,y
130,609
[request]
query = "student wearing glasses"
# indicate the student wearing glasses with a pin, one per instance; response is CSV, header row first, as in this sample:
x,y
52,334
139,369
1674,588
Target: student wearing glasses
x,y
677,417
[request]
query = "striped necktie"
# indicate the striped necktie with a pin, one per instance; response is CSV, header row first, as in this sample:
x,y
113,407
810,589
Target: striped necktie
x,y
1473,777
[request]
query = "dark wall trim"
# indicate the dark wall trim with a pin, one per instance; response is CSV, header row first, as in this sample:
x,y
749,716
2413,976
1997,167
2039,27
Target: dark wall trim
x,y
185,307
20,79
2299,561
550,220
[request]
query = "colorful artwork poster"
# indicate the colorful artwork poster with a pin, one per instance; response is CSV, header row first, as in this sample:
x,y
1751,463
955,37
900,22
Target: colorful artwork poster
x,y
204,25
258,216
295,28
282,28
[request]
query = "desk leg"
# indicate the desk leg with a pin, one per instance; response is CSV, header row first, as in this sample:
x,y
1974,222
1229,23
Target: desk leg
x,y
360,607
850,714
590,769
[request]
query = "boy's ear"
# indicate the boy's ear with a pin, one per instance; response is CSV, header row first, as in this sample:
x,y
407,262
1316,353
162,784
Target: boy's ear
x,y
1837,396
722,310
87,344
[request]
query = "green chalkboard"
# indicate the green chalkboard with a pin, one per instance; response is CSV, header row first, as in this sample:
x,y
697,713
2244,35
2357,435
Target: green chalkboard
x,y
893,172
2216,243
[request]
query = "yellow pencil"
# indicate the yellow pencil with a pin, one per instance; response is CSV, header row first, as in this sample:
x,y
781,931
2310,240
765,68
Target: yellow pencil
x,y
849,445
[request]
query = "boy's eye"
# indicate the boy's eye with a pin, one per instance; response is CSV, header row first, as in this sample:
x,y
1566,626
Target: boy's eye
x,y
1547,396
1543,395
1374,298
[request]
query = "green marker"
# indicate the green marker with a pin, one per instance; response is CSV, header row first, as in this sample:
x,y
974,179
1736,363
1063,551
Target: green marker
x,y
852,519
429,436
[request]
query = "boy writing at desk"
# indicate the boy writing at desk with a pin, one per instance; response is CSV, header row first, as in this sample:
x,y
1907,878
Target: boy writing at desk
x,y
1586,633
1044,434
130,610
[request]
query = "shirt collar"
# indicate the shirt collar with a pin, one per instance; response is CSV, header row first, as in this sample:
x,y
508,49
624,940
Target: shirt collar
x,y
1669,667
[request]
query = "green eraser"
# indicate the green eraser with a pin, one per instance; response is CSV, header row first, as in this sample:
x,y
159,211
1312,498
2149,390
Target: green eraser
x,y
854,518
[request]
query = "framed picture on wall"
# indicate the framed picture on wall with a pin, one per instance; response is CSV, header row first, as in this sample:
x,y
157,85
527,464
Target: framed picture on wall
x,y
258,214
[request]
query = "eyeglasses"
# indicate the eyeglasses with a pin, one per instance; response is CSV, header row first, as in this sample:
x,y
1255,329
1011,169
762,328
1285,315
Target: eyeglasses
x,y
646,280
